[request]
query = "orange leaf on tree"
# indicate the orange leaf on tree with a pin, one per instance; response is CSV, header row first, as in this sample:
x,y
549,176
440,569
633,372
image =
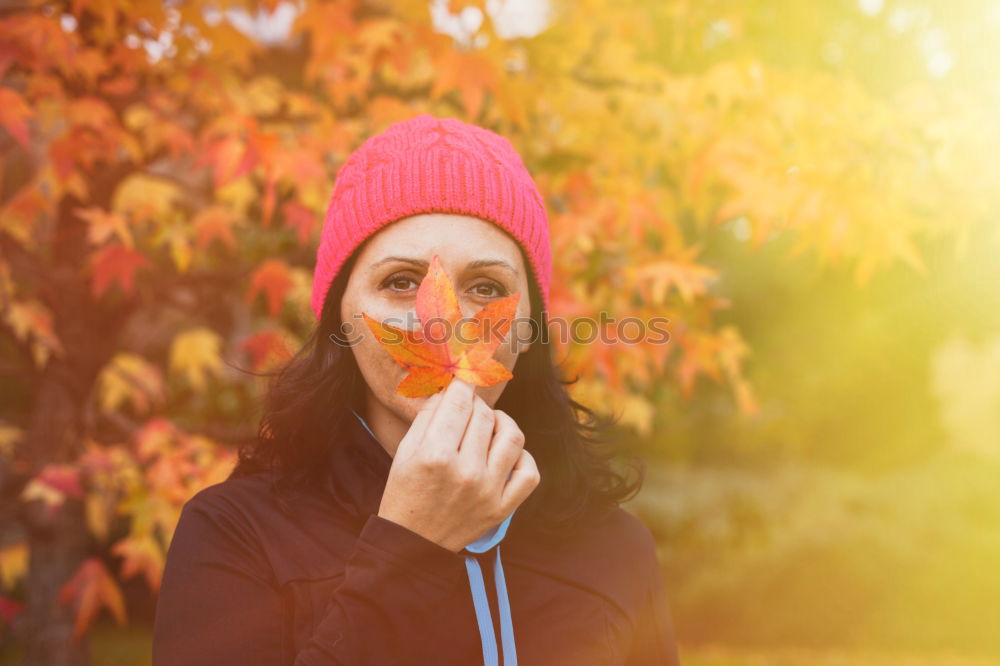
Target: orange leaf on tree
x,y
141,554
215,222
92,587
300,218
274,279
447,345
116,263
14,114
265,348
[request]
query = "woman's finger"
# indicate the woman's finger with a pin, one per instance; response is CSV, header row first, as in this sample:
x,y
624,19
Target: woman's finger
x,y
450,418
508,440
524,477
478,435
415,434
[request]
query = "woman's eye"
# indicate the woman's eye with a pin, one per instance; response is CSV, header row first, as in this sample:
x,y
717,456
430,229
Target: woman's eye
x,y
402,283
490,290
398,283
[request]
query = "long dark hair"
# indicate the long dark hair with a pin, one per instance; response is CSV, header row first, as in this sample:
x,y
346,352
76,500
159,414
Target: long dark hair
x,y
313,393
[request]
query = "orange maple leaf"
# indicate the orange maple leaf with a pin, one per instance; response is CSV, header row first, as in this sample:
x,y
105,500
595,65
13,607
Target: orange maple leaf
x,y
92,588
116,263
447,345
14,114
273,279
141,554
266,347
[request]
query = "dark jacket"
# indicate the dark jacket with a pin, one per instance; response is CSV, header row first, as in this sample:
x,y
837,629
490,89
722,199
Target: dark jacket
x,y
334,584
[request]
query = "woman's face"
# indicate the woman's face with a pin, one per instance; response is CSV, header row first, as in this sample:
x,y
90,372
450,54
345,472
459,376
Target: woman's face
x,y
483,263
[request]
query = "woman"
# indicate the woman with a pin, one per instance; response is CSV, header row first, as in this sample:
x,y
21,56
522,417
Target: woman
x,y
364,527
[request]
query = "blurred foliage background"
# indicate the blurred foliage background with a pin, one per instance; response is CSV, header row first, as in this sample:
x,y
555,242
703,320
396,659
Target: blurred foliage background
x,y
806,190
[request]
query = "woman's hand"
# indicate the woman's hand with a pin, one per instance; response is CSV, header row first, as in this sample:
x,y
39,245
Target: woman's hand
x,y
448,481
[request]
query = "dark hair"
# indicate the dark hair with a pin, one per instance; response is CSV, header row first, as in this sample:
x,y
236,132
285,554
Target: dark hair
x,y
314,391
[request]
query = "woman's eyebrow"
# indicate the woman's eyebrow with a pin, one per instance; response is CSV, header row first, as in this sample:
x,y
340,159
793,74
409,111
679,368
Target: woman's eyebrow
x,y
406,260
479,263
484,263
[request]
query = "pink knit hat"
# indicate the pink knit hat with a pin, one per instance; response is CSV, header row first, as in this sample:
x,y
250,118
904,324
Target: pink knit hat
x,y
428,164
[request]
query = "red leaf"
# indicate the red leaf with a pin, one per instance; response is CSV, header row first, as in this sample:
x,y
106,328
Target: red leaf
x,y
9,609
116,263
273,279
265,347
64,478
300,218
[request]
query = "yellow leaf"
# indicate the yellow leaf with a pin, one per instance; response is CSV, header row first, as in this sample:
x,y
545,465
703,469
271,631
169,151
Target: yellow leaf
x,y
143,198
32,322
237,195
636,411
129,378
194,355
13,563
9,436
262,96
39,490
98,514
176,236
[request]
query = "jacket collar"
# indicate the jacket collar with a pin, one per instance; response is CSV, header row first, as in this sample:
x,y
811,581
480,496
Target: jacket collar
x,y
359,469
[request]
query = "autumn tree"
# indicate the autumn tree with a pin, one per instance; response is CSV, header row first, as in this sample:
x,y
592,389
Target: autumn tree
x,y
165,174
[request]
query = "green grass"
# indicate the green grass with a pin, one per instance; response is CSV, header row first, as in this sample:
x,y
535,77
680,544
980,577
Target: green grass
x,y
110,645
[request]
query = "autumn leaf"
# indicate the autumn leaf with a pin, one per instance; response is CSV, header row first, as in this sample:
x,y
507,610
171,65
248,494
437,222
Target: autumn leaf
x,y
116,263
195,355
266,348
103,225
300,218
215,223
9,609
272,278
9,437
31,322
447,345
470,73
683,273
153,439
142,198
14,113
141,554
92,588
129,378
52,484
177,237
13,563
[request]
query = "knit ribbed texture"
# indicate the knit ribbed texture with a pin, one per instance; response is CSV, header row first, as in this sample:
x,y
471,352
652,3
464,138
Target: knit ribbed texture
x,y
425,165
